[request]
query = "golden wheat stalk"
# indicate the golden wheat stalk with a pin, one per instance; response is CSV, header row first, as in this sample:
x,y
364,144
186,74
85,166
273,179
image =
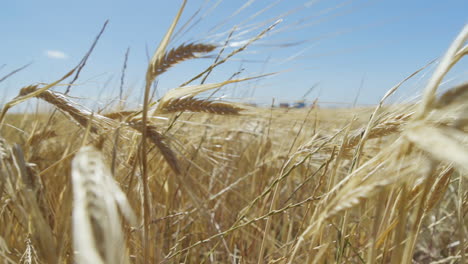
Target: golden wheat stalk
x,y
151,74
121,115
97,231
438,189
197,105
242,48
77,112
161,143
193,90
3,149
177,55
385,128
34,91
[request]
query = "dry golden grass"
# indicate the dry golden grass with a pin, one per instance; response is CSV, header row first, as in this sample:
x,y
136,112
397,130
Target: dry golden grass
x,y
220,182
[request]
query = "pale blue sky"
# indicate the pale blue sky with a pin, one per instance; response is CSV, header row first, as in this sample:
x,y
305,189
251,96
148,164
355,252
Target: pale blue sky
x,y
340,44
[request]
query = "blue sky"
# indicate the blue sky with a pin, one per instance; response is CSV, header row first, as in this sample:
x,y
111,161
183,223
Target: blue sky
x,y
345,46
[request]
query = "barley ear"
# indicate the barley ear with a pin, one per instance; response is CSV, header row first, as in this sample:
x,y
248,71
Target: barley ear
x,y
34,92
197,105
160,142
97,231
179,54
191,91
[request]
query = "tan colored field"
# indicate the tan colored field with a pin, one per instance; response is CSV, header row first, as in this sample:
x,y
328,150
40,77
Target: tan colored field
x,y
187,180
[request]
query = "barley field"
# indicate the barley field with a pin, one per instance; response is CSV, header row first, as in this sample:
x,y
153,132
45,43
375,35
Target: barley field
x,y
192,179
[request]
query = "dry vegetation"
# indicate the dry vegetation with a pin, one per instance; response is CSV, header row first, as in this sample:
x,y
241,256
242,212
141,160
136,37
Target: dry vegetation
x,y
235,184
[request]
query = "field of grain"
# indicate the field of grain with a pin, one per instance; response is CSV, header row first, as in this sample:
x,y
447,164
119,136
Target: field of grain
x,y
187,179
